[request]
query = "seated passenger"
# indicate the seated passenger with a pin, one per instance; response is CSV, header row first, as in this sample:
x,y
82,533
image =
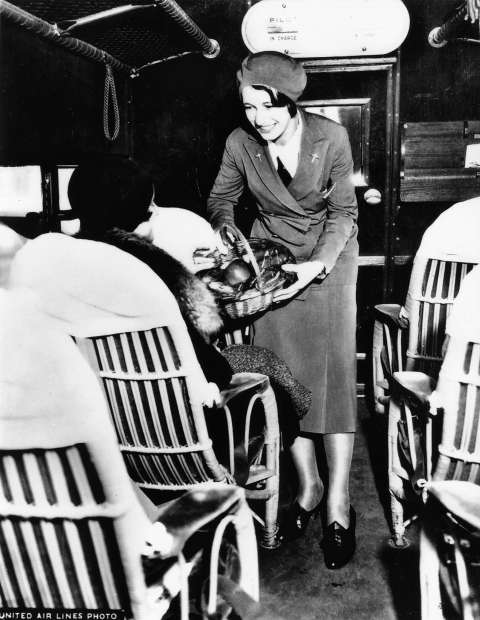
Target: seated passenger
x,y
87,287
454,233
112,198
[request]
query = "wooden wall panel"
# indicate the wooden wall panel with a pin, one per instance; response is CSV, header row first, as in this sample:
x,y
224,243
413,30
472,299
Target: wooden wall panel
x,y
436,85
52,102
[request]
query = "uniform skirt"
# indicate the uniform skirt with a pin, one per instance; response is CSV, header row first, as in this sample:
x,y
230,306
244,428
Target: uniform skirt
x,y
314,333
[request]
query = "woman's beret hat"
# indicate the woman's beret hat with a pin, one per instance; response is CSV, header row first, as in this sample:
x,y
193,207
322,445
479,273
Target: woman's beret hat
x,y
275,70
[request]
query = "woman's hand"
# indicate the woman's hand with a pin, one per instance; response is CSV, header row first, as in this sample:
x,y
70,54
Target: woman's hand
x,y
227,235
206,258
306,272
220,240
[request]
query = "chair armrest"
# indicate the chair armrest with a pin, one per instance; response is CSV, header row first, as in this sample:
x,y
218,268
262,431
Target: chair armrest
x,y
241,382
184,516
244,381
459,497
213,505
390,314
417,387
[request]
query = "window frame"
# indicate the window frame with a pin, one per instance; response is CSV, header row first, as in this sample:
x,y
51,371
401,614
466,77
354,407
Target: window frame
x,y
50,217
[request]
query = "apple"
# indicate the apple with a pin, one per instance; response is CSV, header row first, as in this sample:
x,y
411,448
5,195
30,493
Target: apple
x,y
237,272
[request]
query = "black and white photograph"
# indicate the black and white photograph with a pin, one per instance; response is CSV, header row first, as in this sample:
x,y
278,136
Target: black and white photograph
x,y
239,310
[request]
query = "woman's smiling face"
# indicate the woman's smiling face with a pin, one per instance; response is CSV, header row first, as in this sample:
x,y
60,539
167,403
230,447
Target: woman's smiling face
x,y
271,122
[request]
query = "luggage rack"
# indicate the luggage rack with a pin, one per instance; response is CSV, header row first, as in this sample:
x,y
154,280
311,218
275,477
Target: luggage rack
x,y
61,32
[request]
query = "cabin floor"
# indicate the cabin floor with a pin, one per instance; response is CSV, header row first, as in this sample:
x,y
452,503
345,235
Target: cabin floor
x,y
379,583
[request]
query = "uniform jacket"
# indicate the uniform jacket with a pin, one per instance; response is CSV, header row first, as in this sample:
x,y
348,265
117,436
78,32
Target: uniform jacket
x,y
316,216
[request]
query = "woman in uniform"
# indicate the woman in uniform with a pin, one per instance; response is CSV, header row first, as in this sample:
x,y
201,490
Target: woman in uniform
x,y
298,168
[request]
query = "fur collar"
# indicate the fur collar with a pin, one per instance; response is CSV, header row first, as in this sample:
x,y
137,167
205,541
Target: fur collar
x,y
196,302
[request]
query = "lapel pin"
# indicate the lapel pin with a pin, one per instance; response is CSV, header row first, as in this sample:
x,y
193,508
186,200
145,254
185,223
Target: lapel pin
x,y
259,155
314,157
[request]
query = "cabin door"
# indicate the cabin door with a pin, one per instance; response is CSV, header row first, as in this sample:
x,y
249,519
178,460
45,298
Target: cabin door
x,y
363,95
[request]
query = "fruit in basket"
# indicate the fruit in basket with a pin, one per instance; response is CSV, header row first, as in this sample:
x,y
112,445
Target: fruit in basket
x,y
209,275
270,254
237,272
236,284
227,281
221,289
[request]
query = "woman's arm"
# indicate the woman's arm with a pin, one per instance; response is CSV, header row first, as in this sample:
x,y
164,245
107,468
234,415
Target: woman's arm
x,y
342,210
226,191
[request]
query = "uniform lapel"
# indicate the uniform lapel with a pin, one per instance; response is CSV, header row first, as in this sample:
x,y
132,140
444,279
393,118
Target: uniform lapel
x,y
262,162
311,161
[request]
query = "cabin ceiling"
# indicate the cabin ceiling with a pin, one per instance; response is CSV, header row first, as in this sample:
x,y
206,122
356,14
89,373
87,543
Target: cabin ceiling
x,y
135,39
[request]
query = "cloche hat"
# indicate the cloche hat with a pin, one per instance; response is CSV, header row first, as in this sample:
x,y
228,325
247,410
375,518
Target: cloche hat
x,y
275,70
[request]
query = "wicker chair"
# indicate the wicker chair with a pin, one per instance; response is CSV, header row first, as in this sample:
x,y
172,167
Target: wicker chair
x,y
238,335
450,552
72,533
135,339
153,389
411,337
453,408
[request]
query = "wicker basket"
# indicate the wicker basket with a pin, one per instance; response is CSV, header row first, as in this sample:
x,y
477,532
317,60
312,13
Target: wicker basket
x,y
258,297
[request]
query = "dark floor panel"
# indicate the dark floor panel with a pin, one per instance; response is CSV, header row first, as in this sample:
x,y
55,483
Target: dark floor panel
x,y
380,583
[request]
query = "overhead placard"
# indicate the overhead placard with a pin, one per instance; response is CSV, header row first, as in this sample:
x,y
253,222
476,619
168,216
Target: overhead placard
x,y
326,28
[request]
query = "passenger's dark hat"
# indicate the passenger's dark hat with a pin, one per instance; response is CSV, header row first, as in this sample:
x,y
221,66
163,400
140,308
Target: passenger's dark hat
x,y
275,70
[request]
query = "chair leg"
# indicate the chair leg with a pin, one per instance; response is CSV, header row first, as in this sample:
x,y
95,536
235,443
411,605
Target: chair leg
x,y
247,549
429,580
469,604
399,540
269,538
378,378
272,461
395,481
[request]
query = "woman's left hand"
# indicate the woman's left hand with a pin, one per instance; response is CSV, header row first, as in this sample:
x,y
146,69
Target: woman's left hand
x,y
306,272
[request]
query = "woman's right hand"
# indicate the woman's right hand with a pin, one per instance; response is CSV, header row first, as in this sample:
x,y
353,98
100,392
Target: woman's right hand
x,y
226,236
305,272
220,240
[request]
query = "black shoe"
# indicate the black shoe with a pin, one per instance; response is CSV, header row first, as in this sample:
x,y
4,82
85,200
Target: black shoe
x,y
297,520
338,543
